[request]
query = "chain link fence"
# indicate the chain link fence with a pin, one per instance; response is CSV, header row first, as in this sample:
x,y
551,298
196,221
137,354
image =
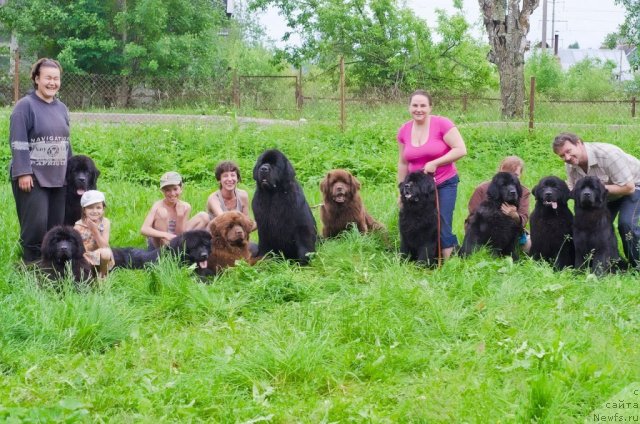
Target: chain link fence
x,y
305,95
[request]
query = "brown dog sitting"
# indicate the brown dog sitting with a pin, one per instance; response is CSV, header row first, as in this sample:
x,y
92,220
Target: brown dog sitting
x,y
343,205
230,233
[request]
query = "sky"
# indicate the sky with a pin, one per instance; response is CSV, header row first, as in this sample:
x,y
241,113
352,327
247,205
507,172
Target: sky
x,y
584,21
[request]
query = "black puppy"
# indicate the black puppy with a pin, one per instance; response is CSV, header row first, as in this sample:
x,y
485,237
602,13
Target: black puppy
x,y
488,225
418,221
191,247
82,175
594,239
551,223
284,219
63,255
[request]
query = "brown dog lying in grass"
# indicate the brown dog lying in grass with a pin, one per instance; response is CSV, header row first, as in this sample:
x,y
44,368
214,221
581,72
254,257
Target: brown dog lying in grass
x,y
230,232
343,205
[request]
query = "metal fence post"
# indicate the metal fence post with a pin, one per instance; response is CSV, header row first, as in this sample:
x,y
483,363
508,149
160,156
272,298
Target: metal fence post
x,y
532,92
342,95
633,107
16,77
465,102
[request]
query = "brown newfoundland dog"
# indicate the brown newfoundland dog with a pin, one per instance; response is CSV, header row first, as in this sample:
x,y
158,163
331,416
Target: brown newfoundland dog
x,y
343,205
230,233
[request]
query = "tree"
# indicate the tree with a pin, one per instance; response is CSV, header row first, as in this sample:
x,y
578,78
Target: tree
x,y
125,37
611,41
385,45
507,26
575,45
630,29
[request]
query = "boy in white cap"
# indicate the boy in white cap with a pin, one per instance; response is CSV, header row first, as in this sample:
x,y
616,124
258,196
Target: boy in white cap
x,y
169,217
94,229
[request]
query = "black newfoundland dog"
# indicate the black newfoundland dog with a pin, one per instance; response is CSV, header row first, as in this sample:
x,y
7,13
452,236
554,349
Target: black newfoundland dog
x,y
82,175
191,247
594,239
488,225
551,223
62,255
284,219
418,221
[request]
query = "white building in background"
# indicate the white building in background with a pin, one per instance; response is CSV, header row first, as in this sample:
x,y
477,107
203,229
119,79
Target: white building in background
x,y
622,71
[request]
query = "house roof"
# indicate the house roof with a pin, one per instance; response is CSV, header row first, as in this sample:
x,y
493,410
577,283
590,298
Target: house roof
x,y
569,57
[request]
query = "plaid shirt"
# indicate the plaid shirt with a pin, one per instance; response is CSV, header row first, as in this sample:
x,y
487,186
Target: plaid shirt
x,y
607,162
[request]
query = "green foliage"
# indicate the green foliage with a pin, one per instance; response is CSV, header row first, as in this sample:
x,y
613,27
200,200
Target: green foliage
x,y
590,79
547,70
587,80
384,44
133,37
630,29
574,45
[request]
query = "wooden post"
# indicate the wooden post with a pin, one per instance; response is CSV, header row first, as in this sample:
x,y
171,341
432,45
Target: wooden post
x,y
299,96
342,95
633,107
236,90
16,77
532,92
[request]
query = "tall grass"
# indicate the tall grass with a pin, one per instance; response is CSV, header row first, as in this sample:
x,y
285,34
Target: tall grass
x,y
358,336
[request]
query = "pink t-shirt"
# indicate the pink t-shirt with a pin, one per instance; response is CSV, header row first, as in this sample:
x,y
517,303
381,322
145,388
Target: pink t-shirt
x,y
434,147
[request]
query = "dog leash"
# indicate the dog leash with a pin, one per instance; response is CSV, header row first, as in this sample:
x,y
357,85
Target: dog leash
x,y
438,226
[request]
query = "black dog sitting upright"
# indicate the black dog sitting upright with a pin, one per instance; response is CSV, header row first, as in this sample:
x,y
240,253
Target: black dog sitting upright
x,y
551,224
82,175
488,225
63,252
594,239
418,221
285,222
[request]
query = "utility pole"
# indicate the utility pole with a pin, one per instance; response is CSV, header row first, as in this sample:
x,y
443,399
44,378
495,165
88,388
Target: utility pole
x,y
543,45
553,23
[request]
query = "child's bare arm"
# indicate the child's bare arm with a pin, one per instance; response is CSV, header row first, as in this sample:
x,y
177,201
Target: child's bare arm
x,y
102,239
183,210
148,226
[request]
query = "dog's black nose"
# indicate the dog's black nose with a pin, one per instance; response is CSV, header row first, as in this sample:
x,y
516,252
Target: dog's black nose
x,y
264,168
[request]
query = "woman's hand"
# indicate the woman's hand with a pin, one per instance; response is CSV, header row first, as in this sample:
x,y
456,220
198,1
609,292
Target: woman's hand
x,y
511,211
25,182
430,168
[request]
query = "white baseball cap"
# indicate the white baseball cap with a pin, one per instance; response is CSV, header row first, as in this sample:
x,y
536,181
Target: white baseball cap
x,y
170,178
91,197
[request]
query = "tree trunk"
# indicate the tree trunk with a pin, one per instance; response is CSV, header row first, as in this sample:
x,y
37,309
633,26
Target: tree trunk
x,y
507,27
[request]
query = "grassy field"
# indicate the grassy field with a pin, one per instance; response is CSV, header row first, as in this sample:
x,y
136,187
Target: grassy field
x,y
357,336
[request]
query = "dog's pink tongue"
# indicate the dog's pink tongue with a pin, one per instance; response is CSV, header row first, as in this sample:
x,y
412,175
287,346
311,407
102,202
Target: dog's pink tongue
x,y
80,192
554,205
202,264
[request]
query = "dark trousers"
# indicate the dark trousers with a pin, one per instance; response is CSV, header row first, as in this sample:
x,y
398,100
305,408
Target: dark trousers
x,y
628,210
38,211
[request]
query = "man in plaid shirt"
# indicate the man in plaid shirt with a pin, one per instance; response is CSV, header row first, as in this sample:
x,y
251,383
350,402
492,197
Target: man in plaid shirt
x,y
618,171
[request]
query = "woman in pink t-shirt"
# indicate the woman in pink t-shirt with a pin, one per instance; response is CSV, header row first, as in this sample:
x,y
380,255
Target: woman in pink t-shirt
x,y
431,144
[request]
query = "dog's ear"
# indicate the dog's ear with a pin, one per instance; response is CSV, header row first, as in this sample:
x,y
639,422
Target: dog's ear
x,y
493,191
535,189
354,182
324,184
247,226
213,226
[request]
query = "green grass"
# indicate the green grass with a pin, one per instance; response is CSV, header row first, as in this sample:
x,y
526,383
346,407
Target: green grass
x,y
357,336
